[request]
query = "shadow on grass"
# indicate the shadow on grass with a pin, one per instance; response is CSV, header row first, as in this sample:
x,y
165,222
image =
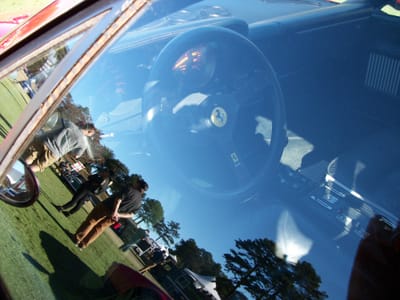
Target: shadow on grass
x,y
68,233
45,195
72,278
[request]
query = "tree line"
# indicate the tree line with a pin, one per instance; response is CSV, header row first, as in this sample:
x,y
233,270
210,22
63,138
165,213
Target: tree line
x,y
252,265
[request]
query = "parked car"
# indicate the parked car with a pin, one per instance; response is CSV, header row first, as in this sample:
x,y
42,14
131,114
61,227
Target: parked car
x,y
267,129
73,180
69,176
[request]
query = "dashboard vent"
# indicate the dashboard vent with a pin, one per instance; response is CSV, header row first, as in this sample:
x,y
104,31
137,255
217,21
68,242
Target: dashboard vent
x,y
383,74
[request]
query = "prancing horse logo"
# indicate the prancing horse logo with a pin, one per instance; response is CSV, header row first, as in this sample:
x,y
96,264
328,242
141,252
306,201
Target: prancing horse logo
x,y
219,117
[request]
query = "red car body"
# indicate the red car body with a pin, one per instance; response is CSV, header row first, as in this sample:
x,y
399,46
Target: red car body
x,y
124,278
8,26
9,36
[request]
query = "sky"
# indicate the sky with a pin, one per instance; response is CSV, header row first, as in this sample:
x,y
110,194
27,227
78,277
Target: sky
x,y
202,217
116,92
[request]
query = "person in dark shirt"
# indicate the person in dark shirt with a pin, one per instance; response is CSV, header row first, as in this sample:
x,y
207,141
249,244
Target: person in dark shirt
x,y
96,184
108,212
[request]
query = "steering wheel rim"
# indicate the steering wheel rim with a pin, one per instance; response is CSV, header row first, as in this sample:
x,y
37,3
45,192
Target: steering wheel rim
x,y
156,105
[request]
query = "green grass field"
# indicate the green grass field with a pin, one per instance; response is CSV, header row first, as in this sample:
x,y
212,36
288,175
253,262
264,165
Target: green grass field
x,y
38,258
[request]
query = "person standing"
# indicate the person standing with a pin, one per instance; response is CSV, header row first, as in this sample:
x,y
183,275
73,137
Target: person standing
x,y
46,150
119,205
159,257
96,184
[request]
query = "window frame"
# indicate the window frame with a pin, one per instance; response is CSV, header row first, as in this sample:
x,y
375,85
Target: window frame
x,y
109,21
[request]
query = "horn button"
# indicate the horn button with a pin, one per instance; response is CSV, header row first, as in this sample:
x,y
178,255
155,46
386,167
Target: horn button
x,y
219,117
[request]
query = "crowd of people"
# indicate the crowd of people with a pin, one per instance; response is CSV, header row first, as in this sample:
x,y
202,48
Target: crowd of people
x,y
71,138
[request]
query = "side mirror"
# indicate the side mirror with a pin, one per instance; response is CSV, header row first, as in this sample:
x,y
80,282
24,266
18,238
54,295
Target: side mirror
x,y
20,186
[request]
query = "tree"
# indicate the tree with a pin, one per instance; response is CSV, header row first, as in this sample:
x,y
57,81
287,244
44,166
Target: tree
x,y
43,65
225,287
116,166
151,212
121,178
266,276
201,261
74,112
167,232
196,259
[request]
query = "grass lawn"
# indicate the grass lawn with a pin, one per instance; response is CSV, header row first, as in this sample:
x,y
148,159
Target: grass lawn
x,y
39,260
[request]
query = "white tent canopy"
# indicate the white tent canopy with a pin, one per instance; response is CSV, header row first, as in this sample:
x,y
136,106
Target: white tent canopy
x,y
205,283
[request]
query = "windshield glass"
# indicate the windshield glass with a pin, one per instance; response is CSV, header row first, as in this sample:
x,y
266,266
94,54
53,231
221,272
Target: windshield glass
x,y
194,116
18,88
270,164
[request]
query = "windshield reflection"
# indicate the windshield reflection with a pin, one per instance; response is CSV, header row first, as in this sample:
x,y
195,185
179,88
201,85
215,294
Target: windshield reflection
x,y
245,201
139,132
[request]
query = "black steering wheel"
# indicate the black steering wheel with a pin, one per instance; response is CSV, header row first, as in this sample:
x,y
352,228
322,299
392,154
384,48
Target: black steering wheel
x,y
213,107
